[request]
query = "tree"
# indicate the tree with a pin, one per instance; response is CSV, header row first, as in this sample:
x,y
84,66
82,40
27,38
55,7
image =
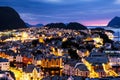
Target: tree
x,y
35,42
104,37
73,54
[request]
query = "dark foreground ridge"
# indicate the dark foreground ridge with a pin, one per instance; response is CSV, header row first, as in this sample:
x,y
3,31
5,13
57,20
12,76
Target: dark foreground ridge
x,y
10,19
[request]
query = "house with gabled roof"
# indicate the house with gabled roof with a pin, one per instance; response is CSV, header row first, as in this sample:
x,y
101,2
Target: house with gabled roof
x,y
4,64
32,72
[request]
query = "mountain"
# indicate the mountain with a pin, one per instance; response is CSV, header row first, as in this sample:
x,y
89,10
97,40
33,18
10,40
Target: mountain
x,y
37,25
28,25
71,25
76,26
115,22
10,19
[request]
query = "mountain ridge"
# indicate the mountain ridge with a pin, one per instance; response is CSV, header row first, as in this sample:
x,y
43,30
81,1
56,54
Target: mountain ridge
x,y
115,22
36,25
10,19
71,25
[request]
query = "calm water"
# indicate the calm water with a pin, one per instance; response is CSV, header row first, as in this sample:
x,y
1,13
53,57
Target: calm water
x,y
116,30
117,33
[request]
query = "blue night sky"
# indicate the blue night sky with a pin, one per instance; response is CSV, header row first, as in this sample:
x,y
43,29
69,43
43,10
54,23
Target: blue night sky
x,y
87,12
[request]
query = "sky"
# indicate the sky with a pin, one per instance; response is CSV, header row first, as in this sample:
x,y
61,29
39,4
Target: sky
x,y
86,12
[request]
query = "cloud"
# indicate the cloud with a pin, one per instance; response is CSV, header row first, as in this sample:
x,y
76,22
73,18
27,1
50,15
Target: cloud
x,y
28,16
45,11
102,11
49,1
117,2
36,18
63,1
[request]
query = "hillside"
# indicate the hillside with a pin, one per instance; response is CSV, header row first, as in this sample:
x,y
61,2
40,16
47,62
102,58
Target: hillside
x,y
10,19
71,25
114,23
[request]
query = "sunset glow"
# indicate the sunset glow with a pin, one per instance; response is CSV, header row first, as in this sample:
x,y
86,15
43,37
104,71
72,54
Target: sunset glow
x,y
96,23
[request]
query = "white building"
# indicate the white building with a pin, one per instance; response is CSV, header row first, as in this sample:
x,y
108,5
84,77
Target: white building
x,y
11,58
114,61
19,58
4,64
